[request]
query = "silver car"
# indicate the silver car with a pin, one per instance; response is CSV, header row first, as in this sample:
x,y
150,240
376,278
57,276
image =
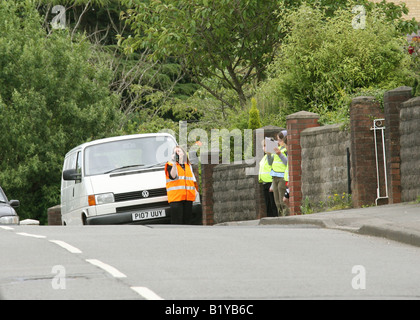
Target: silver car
x,y
8,214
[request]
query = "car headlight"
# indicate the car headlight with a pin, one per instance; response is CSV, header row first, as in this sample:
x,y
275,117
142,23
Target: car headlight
x,y
102,198
9,220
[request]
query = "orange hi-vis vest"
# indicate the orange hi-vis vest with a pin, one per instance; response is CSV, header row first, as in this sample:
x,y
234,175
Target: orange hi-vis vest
x,y
183,187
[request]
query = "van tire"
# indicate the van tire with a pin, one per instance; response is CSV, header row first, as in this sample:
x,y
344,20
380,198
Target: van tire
x,y
84,219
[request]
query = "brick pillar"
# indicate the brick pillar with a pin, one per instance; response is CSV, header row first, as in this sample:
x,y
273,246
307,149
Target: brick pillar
x,y
54,216
392,103
296,123
207,165
363,111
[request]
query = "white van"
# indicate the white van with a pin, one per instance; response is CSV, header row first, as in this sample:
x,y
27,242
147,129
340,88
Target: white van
x,y
119,180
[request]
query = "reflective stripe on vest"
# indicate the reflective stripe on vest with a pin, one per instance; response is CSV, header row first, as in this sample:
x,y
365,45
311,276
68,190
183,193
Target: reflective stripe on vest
x,y
265,169
183,187
278,165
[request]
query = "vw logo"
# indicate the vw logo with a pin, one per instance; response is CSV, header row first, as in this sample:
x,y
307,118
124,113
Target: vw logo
x,y
145,194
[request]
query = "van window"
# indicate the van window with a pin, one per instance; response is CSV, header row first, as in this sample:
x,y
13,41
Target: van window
x,y
142,152
70,162
79,165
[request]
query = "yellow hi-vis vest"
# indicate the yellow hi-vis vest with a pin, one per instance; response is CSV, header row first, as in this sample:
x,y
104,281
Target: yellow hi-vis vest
x,y
278,165
183,187
286,172
264,173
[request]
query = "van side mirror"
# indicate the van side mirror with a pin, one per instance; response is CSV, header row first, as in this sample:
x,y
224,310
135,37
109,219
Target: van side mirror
x,y
14,203
71,174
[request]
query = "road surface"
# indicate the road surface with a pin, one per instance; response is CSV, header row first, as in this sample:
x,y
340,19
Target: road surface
x,y
200,262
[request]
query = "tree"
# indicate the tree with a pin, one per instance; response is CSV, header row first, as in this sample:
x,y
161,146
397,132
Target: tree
x,y
320,71
254,116
53,96
229,40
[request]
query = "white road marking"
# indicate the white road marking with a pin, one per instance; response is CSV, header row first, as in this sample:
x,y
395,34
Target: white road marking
x,y
7,228
66,246
30,235
142,291
110,269
146,293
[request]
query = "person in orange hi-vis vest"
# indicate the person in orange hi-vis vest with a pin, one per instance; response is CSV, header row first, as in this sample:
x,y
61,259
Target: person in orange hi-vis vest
x,y
180,187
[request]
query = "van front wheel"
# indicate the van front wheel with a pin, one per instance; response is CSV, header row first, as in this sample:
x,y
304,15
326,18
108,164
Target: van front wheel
x,y
84,219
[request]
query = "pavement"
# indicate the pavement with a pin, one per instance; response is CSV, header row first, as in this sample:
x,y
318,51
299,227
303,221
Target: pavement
x,y
398,222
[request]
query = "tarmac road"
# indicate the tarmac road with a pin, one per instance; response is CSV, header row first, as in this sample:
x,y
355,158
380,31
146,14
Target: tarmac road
x,y
267,262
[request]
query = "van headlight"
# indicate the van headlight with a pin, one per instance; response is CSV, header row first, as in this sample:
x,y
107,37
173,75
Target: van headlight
x,y
9,220
102,198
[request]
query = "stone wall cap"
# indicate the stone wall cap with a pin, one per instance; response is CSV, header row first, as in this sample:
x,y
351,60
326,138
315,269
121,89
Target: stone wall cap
x,y
402,88
231,166
411,103
303,115
323,129
363,99
271,128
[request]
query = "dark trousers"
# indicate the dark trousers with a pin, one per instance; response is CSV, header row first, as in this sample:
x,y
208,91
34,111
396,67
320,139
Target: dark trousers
x,y
181,212
270,204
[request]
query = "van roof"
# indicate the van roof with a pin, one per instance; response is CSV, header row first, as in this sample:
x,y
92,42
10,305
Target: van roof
x,y
119,138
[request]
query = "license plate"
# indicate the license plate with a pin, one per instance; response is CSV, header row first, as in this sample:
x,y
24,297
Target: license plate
x,y
149,214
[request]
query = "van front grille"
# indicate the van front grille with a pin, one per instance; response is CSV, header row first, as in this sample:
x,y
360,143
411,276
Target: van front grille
x,y
138,195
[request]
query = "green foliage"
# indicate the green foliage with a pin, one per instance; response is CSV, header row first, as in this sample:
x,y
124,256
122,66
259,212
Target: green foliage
x,y
254,116
209,57
101,3
321,72
416,88
415,58
332,203
53,96
231,41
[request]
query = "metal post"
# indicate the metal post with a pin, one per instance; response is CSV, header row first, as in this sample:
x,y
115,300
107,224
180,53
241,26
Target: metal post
x,y
378,125
348,172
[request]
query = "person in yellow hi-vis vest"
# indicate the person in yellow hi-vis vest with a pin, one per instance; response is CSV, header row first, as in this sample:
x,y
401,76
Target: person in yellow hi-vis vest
x,y
180,187
266,179
278,162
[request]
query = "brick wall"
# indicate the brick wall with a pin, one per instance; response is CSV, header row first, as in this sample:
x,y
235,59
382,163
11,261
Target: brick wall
x,y
410,149
54,216
324,162
317,161
236,195
393,101
207,186
296,123
363,111
231,192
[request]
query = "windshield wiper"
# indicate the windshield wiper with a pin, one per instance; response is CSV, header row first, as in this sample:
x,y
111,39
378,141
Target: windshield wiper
x,y
156,165
124,167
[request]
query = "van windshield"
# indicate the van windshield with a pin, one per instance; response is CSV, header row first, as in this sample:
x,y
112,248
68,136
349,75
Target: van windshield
x,y
127,154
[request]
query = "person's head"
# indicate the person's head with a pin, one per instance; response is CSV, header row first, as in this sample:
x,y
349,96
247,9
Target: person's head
x,y
285,140
182,155
280,137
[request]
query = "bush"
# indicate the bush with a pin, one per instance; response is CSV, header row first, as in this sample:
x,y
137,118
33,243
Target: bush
x,y
325,60
254,116
53,96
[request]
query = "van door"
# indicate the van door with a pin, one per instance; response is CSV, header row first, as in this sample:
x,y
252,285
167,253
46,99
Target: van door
x,y
79,193
72,205
67,187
